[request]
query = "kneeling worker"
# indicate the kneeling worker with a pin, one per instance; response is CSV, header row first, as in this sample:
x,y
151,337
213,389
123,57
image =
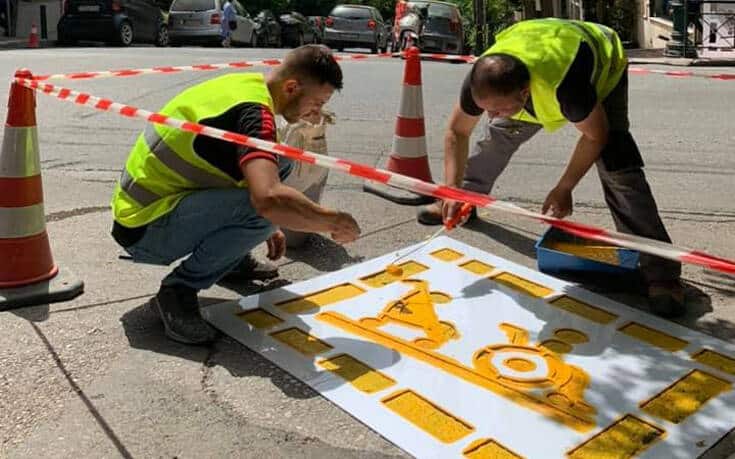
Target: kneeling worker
x,y
187,195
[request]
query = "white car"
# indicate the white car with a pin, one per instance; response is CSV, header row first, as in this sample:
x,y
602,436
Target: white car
x,y
199,22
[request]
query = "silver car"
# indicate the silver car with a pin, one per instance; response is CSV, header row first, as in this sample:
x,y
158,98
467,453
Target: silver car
x,y
355,26
199,22
438,26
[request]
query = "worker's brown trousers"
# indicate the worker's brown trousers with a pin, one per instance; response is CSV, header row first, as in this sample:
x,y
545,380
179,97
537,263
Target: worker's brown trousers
x,y
620,169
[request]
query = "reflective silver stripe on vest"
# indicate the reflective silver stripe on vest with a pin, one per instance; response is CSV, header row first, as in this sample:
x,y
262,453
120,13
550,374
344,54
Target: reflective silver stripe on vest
x,y
144,196
177,164
596,49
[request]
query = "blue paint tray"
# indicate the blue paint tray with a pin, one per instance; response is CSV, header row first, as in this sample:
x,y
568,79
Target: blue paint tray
x,y
560,252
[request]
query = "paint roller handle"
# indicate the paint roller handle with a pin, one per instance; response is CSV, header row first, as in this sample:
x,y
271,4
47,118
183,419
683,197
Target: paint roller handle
x,y
464,211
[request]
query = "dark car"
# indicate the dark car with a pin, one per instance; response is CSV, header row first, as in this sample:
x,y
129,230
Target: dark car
x,y
296,30
356,26
122,22
268,29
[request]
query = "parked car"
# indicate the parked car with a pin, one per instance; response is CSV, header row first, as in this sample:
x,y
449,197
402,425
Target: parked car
x,y
317,23
296,30
121,22
198,22
268,29
355,26
434,26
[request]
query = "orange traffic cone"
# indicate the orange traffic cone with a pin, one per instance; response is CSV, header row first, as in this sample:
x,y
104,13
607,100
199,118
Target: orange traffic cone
x,y
409,153
33,37
28,274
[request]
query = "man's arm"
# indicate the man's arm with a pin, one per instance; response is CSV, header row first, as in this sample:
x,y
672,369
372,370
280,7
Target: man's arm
x,y
287,207
456,150
595,132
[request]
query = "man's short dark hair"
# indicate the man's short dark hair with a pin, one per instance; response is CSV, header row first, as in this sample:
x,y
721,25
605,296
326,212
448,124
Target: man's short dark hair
x,y
314,63
498,74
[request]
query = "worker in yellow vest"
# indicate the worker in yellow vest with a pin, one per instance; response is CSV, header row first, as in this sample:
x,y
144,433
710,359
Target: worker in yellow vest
x,y
187,195
542,74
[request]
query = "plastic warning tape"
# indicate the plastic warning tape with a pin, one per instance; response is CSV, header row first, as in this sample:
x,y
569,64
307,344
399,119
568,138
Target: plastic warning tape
x,y
461,59
641,244
193,68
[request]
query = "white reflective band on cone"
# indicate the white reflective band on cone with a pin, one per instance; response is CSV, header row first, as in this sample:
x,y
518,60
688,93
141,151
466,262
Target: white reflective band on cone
x,y
412,102
17,222
19,156
409,147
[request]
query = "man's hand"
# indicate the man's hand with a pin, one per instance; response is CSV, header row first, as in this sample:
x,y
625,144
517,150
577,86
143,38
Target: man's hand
x,y
450,209
276,245
344,228
559,202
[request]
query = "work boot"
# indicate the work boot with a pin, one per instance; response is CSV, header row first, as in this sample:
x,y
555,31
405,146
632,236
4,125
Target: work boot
x,y
179,309
666,298
431,214
250,268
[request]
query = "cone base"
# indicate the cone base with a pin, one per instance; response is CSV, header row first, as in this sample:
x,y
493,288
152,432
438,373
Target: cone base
x,y
62,287
397,195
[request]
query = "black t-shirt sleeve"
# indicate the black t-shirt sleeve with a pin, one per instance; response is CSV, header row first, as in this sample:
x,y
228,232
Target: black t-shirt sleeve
x,y
466,102
576,93
256,120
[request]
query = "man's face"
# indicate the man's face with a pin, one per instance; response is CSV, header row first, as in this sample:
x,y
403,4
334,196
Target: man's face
x,y
303,100
502,106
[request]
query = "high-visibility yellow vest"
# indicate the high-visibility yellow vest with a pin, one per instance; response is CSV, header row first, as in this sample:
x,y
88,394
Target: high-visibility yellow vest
x,y
163,167
548,48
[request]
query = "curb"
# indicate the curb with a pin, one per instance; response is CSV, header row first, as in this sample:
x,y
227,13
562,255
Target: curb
x,y
682,62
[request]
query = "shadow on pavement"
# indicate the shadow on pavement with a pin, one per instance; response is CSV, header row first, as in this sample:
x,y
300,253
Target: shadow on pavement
x,y
322,254
511,239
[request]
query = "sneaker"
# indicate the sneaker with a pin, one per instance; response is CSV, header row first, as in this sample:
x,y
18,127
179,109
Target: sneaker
x,y
666,298
431,214
252,269
178,306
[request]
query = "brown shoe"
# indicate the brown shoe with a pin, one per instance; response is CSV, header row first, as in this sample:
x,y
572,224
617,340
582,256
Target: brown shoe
x,y
666,298
431,214
251,269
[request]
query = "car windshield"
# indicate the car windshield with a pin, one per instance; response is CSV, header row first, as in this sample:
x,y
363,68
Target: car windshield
x,y
435,9
193,5
347,12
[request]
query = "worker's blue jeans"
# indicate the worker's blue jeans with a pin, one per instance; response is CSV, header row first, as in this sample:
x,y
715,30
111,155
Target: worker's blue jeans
x,y
216,228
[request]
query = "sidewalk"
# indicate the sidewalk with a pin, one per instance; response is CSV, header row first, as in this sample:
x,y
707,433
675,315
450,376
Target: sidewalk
x,y
656,56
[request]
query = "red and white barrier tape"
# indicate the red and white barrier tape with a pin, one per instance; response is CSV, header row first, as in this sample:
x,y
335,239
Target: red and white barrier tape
x,y
339,57
193,68
641,244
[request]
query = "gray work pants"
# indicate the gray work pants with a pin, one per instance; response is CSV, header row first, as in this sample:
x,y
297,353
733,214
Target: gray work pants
x,y
619,167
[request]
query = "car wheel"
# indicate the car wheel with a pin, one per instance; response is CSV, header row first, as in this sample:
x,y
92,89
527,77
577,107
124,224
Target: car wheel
x,y
125,34
300,41
162,37
64,40
253,40
279,41
374,48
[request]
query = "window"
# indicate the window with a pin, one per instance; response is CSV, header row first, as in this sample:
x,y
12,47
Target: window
x,y
661,9
351,12
193,5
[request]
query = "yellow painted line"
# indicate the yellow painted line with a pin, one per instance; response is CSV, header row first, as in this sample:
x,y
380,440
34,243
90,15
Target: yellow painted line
x,y
522,285
428,416
260,318
455,368
301,341
602,253
654,337
624,439
583,309
487,448
383,278
320,299
446,255
715,360
477,267
360,375
686,396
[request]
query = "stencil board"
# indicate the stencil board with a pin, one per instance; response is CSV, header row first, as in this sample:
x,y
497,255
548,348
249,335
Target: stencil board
x,y
465,354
